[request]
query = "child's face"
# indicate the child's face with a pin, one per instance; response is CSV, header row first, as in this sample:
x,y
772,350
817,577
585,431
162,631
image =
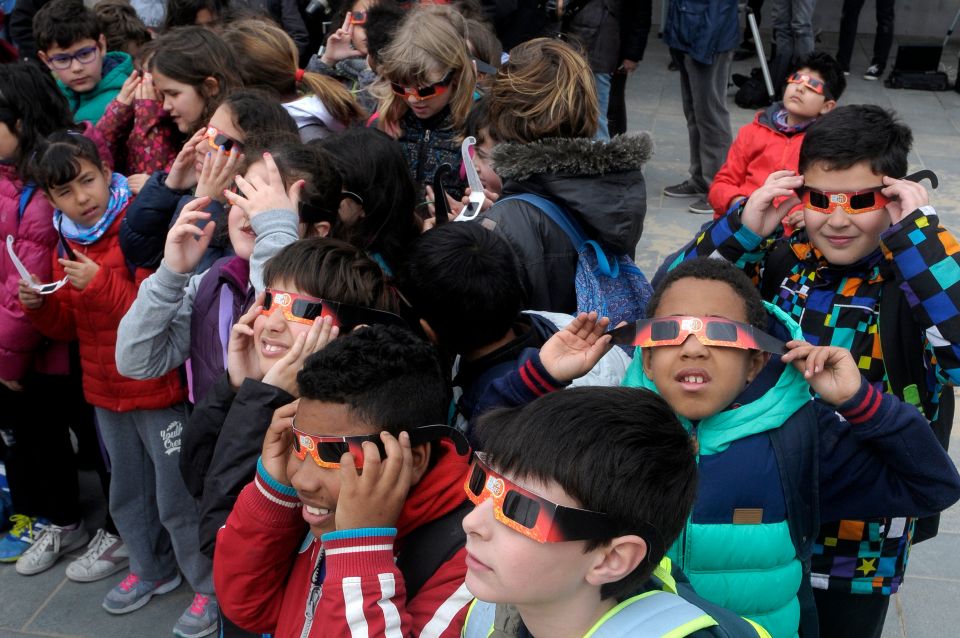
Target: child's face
x,y
317,487
358,32
182,101
699,381
222,120
84,199
504,566
802,102
80,65
841,237
9,143
273,335
481,159
241,233
425,109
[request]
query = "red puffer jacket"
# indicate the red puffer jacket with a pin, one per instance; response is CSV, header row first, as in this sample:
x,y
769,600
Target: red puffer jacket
x,y
92,315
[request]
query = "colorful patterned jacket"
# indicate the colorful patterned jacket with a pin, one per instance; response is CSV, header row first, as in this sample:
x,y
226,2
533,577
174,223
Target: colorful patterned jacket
x,y
140,136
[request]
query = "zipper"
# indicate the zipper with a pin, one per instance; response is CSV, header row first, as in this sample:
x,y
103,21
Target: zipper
x,y
316,591
421,147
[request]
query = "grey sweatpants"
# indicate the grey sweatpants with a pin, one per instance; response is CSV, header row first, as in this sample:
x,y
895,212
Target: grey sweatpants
x,y
703,88
154,513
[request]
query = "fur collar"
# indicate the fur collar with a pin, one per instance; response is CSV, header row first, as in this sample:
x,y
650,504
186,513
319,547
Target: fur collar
x,y
572,156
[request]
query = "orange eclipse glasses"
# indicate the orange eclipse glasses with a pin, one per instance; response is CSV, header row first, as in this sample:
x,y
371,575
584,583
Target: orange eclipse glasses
x,y
710,331
326,451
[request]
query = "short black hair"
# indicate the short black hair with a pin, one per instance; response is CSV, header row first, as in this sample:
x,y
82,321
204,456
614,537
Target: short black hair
x,y
828,68
64,23
383,19
463,280
620,451
712,269
257,112
857,133
389,378
57,160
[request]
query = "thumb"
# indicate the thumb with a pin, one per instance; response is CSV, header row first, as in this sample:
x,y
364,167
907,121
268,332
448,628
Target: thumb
x,y
294,193
82,258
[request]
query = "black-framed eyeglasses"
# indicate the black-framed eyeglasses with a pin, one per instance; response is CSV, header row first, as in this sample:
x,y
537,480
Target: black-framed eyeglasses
x,y
86,55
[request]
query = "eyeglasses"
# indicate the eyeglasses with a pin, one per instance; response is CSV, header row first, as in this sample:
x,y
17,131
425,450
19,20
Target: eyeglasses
x,y
216,139
352,197
424,92
853,203
357,17
710,331
817,86
326,451
305,309
530,514
86,55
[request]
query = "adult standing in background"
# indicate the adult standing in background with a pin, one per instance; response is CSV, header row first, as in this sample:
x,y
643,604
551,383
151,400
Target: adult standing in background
x,y
849,17
792,35
634,30
701,36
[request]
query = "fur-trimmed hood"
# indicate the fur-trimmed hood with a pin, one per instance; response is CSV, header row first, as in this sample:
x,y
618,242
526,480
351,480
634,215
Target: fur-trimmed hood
x,y
572,156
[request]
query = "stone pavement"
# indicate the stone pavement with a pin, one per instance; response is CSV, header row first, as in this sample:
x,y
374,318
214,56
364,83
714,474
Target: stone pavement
x,y
50,605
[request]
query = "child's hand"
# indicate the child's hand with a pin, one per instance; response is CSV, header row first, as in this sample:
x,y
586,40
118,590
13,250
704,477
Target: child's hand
x,y
277,442
12,385
186,242
80,272
260,196
340,45
759,214
129,88
182,174
283,374
795,219
830,371
29,297
217,174
136,182
909,197
490,199
573,351
242,362
374,497
146,90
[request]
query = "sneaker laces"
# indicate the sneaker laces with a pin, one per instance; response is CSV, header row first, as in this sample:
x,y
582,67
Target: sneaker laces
x,y
129,582
97,546
199,604
49,535
23,527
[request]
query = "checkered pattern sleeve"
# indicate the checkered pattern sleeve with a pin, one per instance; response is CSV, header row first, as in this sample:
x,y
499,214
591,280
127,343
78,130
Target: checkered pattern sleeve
x,y
729,239
926,260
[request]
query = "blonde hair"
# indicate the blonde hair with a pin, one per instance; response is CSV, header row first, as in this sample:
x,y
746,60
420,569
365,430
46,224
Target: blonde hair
x,y
430,38
269,58
546,89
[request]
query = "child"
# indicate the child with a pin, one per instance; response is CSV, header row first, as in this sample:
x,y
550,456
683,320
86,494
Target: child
x,y
833,280
772,141
181,314
140,421
626,488
71,43
122,27
314,548
344,55
426,91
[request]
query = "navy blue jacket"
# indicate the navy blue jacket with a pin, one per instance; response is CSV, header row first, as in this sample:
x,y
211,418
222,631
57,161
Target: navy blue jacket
x,y
702,28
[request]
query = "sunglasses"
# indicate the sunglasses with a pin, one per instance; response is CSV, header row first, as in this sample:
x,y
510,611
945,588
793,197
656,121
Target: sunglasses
x,y
710,331
853,203
305,309
424,92
216,139
817,86
530,514
357,17
326,451
85,55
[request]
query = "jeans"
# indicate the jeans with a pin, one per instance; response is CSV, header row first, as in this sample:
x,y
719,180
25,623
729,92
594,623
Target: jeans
x,y
793,37
603,97
845,615
850,16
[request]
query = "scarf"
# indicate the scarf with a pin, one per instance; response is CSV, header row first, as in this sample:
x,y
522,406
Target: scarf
x,y
780,122
85,235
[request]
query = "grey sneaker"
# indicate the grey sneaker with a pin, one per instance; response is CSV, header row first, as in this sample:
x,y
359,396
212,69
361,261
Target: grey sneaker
x,y
201,618
684,189
133,593
701,207
52,543
106,554
873,72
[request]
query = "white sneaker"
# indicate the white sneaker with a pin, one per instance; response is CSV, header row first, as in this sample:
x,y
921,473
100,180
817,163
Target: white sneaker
x,y
52,543
106,554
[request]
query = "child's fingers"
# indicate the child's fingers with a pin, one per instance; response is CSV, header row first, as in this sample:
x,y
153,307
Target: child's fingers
x,y
195,205
294,193
247,188
236,198
273,173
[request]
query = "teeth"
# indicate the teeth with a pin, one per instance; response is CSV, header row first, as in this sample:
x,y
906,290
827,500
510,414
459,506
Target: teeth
x,y
692,379
316,511
270,349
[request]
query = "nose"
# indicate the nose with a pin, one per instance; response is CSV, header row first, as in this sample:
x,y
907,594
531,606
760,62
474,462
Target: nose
x,y
478,521
307,476
838,218
76,64
691,347
167,106
275,322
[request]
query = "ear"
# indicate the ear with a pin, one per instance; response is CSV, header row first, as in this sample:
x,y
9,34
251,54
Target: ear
x,y
758,361
428,331
211,87
44,58
828,106
647,355
322,229
617,559
421,460
102,44
106,170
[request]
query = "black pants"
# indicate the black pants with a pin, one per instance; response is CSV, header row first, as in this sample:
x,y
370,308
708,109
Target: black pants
x,y
617,109
850,16
845,615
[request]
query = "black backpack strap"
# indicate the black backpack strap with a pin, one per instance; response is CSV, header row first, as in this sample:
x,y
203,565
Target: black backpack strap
x,y
430,546
776,268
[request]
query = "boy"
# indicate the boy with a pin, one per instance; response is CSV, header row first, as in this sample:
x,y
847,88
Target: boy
x,y
71,43
869,235
380,553
630,484
772,141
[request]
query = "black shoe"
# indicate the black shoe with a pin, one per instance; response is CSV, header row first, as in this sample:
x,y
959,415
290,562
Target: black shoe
x,y
873,72
743,54
673,66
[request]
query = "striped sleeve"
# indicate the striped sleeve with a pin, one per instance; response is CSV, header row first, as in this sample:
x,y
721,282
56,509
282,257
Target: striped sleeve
x,y
529,381
863,406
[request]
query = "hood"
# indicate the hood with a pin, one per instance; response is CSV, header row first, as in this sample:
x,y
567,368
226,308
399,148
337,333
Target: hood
x,y
765,404
601,183
439,491
765,117
310,110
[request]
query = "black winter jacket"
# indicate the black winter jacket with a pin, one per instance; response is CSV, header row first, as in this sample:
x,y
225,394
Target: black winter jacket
x,y
599,183
427,144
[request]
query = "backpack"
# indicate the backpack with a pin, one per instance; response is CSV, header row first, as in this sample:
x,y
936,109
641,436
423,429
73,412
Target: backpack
x,y
25,195
902,346
614,288
752,91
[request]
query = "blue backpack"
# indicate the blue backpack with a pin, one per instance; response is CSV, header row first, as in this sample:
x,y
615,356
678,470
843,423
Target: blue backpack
x,y
614,288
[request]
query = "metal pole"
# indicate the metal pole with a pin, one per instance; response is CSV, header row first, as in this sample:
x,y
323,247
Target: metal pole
x,y
752,21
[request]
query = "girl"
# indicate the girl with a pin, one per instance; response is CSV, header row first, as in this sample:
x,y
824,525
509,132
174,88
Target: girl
x,y
33,369
377,215
320,105
243,114
181,313
344,56
140,421
427,91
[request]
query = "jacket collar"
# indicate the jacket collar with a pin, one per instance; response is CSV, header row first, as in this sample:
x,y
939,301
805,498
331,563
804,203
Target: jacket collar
x,y
572,156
